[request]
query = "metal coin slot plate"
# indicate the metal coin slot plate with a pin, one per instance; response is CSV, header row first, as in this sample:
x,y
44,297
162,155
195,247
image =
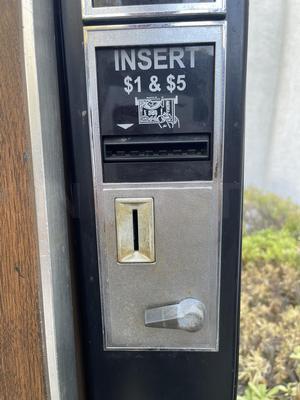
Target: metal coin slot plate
x,y
188,215
135,230
186,266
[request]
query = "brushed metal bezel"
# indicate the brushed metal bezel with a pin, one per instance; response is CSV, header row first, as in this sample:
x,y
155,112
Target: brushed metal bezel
x,y
151,10
144,34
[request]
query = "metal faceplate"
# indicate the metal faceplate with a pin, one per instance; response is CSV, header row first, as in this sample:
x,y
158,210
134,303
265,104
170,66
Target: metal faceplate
x,y
182,272
105,9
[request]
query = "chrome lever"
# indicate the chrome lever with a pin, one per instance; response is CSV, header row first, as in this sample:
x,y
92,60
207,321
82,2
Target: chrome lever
x,y
187,315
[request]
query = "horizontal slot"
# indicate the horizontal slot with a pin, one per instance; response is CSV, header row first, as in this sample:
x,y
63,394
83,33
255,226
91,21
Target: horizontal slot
x,y
156,148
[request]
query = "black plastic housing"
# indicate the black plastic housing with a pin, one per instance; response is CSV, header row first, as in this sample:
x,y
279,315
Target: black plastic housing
x,y
159,158
153,375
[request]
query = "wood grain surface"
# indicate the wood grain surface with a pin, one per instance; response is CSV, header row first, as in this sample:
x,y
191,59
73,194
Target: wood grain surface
x,y
21,360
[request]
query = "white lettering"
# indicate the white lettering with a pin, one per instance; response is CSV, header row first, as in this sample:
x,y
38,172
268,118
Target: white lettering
x,y
129,59
117,65
192,51
160,55
144,55
155,58
176,57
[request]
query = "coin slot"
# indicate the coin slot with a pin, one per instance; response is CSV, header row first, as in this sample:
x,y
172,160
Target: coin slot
x,y
135,230
135,226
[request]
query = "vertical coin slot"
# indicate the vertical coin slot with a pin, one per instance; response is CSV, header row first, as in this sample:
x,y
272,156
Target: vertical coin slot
x,y
135,225
135,230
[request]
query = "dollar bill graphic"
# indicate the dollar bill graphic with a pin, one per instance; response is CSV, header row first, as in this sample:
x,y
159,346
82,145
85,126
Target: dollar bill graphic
x,y
157,110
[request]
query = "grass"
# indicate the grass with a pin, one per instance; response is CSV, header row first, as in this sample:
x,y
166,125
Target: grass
x,y
270,305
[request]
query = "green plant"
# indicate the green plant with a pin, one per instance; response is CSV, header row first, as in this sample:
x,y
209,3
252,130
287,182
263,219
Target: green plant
x,y
270,304
290,391
259,392
271,246
296,354
267,210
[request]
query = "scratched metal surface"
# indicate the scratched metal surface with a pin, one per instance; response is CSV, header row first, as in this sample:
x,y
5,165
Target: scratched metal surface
x,y
187,265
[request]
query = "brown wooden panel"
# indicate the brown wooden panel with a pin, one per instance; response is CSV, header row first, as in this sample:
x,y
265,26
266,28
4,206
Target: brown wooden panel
x,y
21,363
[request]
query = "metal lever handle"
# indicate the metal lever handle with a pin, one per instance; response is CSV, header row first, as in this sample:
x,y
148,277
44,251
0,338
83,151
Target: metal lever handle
x,y
187,315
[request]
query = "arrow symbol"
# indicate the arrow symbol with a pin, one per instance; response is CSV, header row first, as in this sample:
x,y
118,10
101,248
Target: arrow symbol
x,y
125,126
